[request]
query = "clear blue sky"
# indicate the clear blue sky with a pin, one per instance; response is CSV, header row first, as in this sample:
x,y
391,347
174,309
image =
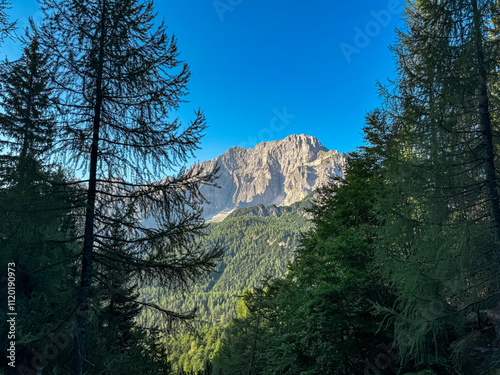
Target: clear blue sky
x,y
251,59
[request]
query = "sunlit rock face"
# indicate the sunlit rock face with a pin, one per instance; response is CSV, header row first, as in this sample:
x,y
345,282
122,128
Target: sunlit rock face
x,y
279,172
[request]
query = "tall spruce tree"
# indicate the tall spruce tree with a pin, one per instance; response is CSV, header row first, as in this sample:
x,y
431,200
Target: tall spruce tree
x,y
319,318
437,139
325,322
28,120
120,76
36,211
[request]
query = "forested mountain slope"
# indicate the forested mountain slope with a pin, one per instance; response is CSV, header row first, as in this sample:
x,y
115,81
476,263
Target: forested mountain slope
x,y
258,242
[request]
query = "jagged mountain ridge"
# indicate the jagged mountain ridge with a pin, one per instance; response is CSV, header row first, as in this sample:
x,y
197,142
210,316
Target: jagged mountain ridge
x,y
279,172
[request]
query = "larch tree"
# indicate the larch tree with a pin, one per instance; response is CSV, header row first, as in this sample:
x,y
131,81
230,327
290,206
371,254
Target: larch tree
x,y
120,77
438,140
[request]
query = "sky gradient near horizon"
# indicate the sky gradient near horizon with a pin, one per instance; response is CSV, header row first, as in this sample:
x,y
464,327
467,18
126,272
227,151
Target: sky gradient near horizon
x,y
263,70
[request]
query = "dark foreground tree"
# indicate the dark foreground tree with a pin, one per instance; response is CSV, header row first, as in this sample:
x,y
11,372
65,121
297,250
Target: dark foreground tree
x,y
36,223
120,76
320,319
28,120
438,137
124,346
326,324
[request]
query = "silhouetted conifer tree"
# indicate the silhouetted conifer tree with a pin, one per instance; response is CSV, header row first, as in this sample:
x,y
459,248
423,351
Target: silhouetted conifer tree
x,y
121,77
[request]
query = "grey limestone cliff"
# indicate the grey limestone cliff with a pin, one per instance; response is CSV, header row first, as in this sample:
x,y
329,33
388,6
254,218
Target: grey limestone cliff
x,y
278,172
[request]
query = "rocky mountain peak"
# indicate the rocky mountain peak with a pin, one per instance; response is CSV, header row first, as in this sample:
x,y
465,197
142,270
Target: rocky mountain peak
x,y
296,141
278,172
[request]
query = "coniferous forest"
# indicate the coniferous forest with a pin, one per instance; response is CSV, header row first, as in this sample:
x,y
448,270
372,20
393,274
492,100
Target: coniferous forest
x,y
393,268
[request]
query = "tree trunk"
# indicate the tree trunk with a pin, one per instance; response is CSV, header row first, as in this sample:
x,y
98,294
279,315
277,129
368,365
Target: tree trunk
x,y
486,131
254,345
28,125
83,299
